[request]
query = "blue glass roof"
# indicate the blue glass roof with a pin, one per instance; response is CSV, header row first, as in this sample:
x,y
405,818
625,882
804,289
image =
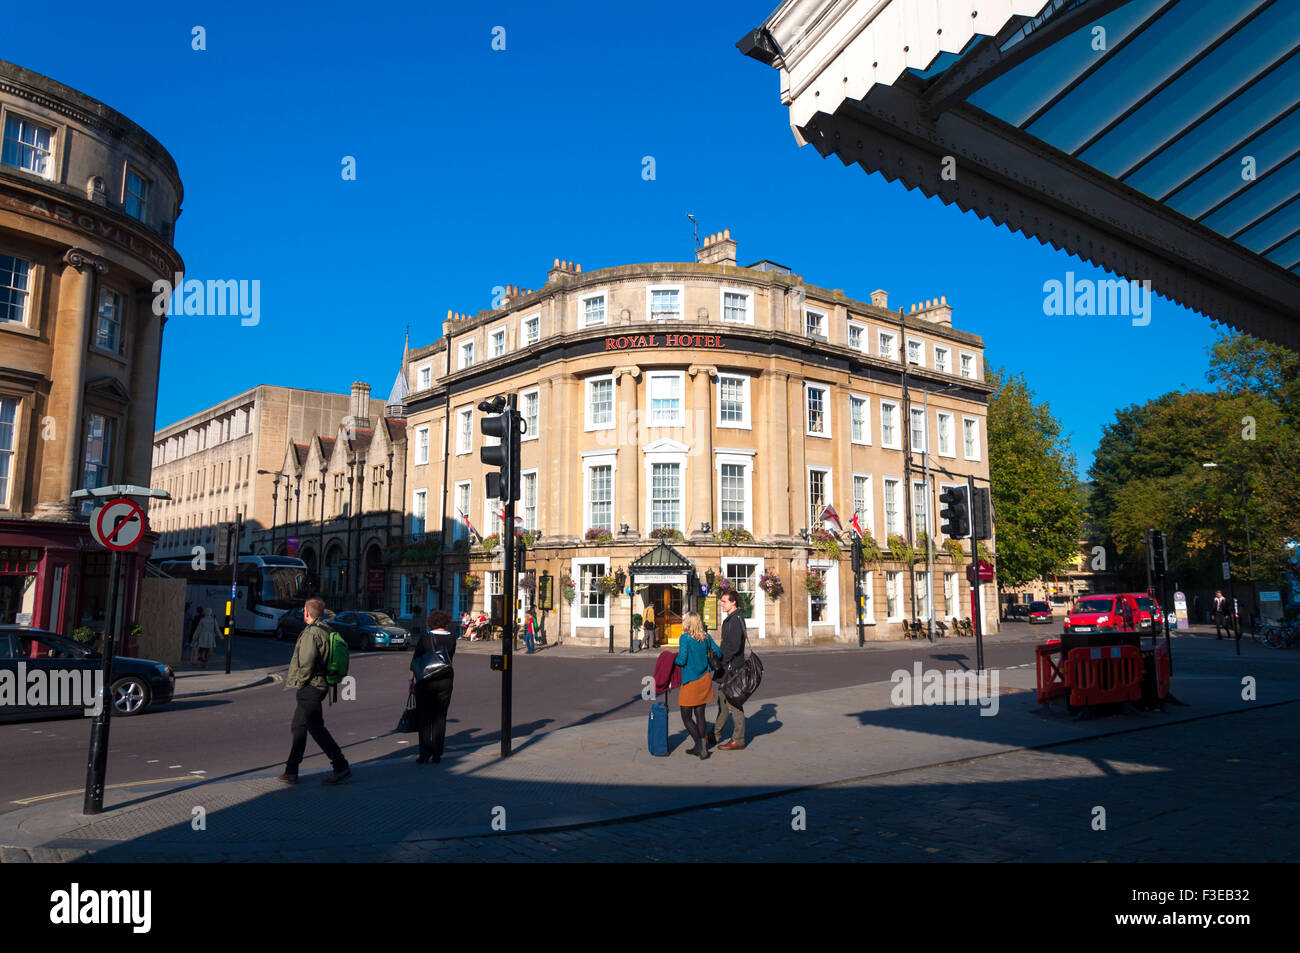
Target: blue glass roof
x,y
1195,103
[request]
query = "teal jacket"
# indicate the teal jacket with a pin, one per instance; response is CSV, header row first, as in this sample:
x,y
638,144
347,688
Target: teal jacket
x,y
693,656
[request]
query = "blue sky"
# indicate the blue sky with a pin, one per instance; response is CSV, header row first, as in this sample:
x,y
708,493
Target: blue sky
x,y
478,167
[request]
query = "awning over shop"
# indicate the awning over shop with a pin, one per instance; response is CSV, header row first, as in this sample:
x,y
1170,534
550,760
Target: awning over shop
x,y
1159,139
661,564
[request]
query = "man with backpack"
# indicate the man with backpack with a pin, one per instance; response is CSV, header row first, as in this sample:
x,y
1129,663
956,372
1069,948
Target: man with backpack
x,y
316,660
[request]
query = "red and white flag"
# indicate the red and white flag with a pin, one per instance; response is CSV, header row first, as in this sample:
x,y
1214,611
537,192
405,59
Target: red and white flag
x,y
470,526
829,516
856,526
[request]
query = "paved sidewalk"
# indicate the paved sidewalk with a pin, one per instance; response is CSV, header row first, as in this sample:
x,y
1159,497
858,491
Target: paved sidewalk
x,y
214,681
600,772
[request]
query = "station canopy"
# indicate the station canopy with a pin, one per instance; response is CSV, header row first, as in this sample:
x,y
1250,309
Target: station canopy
x,y
1156,139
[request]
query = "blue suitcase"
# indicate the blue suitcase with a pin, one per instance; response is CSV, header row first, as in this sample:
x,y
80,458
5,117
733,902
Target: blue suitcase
x,y
657,730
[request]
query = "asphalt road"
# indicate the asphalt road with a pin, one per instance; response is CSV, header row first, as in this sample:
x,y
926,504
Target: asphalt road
x,y
248,730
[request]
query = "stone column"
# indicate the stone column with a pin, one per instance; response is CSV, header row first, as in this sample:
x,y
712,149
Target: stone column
x,y
627,496
700,438
778,466
146,357
59,475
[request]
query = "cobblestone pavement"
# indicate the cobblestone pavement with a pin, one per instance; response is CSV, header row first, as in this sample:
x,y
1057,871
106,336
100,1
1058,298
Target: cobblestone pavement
x,y
1200,791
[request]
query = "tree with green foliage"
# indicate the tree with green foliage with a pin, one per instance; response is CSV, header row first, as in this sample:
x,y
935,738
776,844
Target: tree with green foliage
x,y
1036,500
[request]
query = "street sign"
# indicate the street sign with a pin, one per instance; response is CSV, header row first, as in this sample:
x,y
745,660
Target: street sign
x,y
983,569
118,525
291,546
1227,573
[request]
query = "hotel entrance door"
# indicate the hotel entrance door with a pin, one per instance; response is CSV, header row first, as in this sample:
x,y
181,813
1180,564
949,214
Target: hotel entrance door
x,y
667,600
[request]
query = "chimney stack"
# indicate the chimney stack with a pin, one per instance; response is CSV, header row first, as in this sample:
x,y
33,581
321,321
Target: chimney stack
x,y
718,249
880,298
360,405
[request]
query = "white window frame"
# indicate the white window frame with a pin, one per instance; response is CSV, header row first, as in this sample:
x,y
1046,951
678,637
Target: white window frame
x,y
12,450
832,594
424,377
921,580
576,575
868,519
901,501
898,429
533,432
493,334
722,305
24,320
56,135
465,354
742,458
493,523
592,461
947,359
587,383
681,301
422,458
976,421
891,575
939,416
824,335
920,342
864,342
442,440
826,410
650,377
460,412
864,440
920,493
757,624
869,599
974,371
666,451
582,308
118,322
524,476
416,498
956,595
524,340
925,430
143,217
745,422
828,483
880,350
462,531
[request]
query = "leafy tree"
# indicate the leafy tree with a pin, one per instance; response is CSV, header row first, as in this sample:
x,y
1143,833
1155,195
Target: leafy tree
x,y
1036,498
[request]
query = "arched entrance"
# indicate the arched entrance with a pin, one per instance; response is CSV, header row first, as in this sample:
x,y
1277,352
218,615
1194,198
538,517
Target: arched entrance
x,y
308,555
333,581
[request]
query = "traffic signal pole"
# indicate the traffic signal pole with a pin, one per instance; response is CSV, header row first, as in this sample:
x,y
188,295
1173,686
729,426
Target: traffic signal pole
x,y
507,428
234,586
97,762
978,584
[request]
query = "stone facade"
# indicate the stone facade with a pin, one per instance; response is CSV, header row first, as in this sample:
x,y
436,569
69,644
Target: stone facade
x,y
692,398
88,206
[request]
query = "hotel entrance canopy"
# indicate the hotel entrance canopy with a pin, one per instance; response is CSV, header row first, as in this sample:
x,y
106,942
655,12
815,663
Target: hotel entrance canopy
x,y
1158,139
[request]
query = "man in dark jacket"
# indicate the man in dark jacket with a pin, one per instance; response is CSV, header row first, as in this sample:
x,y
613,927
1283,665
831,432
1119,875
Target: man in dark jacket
x,y
733,653
307,675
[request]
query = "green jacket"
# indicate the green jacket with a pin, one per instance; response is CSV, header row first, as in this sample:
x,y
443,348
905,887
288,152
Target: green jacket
x,y
307,667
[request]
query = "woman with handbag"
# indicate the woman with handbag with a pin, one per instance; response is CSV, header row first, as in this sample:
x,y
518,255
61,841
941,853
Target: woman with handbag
x,y
431,682
696,653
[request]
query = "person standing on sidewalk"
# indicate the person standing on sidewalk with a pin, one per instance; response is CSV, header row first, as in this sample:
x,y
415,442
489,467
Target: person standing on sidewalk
x,y
205,636
307,675
530,630
733,653
1220,608
697,682
433,697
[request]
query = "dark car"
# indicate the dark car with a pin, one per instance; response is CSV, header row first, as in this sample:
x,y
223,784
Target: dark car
x,y
370,630
136,683
1017,612
292,623
1039,612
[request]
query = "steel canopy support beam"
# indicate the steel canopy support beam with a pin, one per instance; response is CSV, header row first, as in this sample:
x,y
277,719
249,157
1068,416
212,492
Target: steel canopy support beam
x,y
1022,183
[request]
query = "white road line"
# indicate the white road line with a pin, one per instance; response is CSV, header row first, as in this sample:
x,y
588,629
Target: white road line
x,y
154,761
170,766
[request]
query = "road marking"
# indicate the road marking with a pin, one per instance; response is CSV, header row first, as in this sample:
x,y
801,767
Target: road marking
x,y
154,761
173,766
107,787
198,772
403,742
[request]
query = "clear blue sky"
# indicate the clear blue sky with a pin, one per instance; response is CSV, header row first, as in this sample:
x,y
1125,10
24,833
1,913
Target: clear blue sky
x,y
477,168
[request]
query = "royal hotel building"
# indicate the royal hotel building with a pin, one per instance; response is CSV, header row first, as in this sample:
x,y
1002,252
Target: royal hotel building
x,y
668,405
88,208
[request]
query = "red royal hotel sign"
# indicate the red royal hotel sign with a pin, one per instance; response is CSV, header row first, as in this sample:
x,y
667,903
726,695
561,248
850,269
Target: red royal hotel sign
x,y
631,341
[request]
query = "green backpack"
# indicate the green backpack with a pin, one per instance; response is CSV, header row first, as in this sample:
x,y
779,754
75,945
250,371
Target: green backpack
x,y
336,658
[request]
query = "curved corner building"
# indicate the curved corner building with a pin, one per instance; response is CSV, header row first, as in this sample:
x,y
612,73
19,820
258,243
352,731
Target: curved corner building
x,y
88,207
669,406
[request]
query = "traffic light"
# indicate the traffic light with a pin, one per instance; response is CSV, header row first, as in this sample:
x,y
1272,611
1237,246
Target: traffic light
x,y
1157,553
981,514
954,512
504,424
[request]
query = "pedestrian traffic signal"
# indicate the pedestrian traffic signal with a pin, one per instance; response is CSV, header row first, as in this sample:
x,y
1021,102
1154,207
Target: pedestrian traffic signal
x,y
981,514
954,512
1157,553
505,425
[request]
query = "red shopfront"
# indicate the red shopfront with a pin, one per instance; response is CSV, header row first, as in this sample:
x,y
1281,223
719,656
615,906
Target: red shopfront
x,y
53,576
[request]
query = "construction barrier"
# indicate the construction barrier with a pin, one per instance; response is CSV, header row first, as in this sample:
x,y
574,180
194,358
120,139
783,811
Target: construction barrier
x,y
1051,672
1100,676
1164,670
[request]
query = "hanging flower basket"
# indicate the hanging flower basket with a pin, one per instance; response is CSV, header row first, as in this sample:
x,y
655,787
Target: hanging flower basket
x,y
607,584
598,535
815,583
490,542
722,584
770,583
530,536
528,582
666,532
900,551
954,550
871,554
824,542
567,588
471,581
731,537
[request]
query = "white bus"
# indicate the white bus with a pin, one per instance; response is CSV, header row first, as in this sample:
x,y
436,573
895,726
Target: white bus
x,y
265,587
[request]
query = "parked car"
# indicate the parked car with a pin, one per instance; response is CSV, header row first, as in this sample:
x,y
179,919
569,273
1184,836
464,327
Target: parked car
x,y
136,683
1102,613
292,623
370,630
1148,614
1039,612
1017,612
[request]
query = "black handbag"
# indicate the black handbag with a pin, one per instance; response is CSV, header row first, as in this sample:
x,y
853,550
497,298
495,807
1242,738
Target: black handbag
x,y
743,680
431,664
714,660
406,724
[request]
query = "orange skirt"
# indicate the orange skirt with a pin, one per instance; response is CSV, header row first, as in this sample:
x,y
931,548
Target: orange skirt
x,y
698,692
